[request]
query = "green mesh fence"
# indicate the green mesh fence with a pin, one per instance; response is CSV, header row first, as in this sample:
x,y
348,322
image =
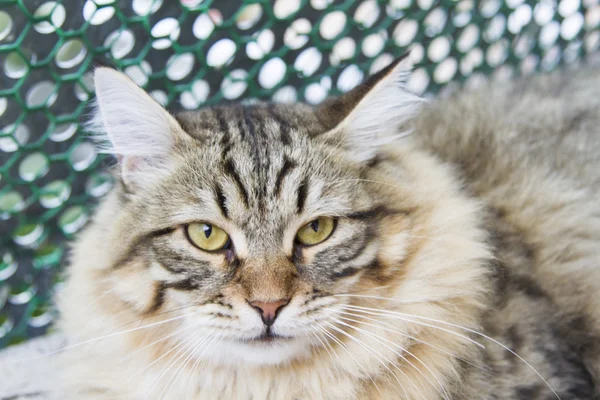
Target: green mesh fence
x,y
191,53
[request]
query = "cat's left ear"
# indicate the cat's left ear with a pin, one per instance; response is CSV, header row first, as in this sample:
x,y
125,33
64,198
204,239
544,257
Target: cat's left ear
x,y
372,115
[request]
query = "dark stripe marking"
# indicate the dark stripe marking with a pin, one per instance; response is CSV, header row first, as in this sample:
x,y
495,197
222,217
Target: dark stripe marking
x,y
171,260
284,131
222,121
185,284
159,298
241,128
170,268
366,242
284,126
302,193
225,146
140,242
375,161
221,201
131,254
230,170
161,292
21,396
378,211
288,165
146,243
249,122
297,257
346,272
161,232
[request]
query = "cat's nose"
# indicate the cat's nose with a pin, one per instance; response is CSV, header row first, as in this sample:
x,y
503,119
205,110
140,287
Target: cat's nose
x,y
268,310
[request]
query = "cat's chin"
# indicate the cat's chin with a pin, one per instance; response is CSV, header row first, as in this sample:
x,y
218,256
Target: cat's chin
x,y
271,351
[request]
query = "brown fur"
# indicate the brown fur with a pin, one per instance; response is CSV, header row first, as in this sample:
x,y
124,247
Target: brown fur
x,y
485,219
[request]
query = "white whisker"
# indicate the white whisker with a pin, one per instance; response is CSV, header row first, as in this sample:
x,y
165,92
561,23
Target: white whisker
x,y
373,297
326,346
158,341
161,357
185,343
145,317
191,375
374,353
383,323
185,362
199,363
390,314
331,336
173,379
396,313
105,337
179,355
377,337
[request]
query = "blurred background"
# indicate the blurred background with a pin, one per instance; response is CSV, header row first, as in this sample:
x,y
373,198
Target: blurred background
x,y
192,53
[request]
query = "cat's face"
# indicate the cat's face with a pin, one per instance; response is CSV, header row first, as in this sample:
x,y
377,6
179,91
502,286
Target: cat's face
x,y
244,220
252,222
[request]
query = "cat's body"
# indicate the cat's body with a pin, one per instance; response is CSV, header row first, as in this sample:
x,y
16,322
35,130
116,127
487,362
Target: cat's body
x,y
486,217
530,150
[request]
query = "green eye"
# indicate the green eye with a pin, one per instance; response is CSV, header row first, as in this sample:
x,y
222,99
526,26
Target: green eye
x,y
207,237
316,231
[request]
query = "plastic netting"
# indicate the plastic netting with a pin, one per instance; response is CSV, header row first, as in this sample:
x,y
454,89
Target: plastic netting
x,y
191,53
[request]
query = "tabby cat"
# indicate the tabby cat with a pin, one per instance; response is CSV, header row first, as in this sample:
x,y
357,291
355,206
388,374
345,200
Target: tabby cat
x,y
377,246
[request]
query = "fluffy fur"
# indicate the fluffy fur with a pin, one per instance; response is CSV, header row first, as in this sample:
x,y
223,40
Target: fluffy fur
x,y
478,231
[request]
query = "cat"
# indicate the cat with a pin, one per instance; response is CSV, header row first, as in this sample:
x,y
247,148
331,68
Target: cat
x,y
376,246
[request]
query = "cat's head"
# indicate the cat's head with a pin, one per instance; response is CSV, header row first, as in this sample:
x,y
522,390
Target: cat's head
x,y
255,224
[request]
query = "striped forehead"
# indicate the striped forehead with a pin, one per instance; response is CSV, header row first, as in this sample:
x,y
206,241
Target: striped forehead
x,y
253,124
262,152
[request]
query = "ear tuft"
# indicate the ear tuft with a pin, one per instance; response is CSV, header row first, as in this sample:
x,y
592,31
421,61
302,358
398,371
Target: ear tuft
x,y
372,115
128,123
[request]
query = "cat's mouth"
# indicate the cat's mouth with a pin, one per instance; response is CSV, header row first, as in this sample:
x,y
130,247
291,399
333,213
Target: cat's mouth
x,y
268,337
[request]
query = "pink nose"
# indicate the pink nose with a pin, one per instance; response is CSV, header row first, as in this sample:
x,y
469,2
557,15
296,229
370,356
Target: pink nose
x,y
269,310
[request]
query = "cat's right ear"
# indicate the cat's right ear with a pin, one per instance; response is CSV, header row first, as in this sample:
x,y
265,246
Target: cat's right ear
x,y
134,127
